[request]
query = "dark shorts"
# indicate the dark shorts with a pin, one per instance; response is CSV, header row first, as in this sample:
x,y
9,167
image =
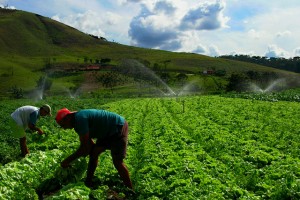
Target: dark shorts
x,y
117,143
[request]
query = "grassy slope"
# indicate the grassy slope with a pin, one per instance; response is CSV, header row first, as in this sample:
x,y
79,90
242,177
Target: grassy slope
x,y
27,41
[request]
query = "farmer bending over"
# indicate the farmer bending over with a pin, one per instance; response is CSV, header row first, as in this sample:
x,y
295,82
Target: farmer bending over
x,y
111,132
27,117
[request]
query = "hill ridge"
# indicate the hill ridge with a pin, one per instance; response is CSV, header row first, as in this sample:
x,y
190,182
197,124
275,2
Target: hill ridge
x,y
30,42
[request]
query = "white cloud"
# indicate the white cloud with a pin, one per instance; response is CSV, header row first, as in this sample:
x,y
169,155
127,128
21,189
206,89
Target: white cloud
x,y
153,27
88,22
207,16
277,26
200,49
163,24
122,2
241,26
105,24
7,7
297,51
276,52
283,34
254,34
4,4
213,51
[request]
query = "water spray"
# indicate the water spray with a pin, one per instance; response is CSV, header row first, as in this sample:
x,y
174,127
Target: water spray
x,y
140,72
269,88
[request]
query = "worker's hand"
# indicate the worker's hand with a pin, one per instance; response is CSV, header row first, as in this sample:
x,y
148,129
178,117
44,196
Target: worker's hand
x,y
65,164
92,142
40,132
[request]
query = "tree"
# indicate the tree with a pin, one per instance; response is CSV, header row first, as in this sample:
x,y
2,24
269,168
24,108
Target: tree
x,y
181,78
220,72
166,62
17,93
137,71
253,75
165,77
47,63
238,83
291,64
85,59
109,80
156,67
105,60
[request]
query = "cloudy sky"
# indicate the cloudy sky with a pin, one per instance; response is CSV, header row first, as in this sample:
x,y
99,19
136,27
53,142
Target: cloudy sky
x,y
210,27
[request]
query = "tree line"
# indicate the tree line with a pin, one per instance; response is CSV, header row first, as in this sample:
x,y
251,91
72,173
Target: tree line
x,y
291,64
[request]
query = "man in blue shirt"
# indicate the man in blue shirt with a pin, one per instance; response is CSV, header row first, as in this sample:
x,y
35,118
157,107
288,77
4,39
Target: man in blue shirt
x,y
111,132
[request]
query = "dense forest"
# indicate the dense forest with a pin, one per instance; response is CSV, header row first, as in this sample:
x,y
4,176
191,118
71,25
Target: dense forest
x,y
291,64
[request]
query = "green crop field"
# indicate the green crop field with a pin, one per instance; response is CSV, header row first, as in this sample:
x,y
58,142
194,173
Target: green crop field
x,y
230,146
197,147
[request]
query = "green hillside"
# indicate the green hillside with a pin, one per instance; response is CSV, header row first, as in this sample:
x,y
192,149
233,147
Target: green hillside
x,y
30,43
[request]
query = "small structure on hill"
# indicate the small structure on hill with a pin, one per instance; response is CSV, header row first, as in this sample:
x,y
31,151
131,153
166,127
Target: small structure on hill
x,y
208,72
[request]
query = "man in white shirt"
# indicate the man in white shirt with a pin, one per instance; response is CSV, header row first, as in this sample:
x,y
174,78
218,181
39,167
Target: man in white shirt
x,y
27,117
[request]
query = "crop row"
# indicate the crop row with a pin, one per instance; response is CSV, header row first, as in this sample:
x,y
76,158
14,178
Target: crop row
x,y
202,147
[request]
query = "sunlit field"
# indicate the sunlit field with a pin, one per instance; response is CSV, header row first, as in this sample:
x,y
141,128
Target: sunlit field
x,y
181,147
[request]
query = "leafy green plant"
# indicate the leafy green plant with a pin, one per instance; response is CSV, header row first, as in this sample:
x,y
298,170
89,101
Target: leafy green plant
x,y
218,148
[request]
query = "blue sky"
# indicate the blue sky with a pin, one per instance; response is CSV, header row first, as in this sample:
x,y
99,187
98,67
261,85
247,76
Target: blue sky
x,y
208,27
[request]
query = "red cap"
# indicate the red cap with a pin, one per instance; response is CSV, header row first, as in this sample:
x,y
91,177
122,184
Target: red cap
x,y
61,114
